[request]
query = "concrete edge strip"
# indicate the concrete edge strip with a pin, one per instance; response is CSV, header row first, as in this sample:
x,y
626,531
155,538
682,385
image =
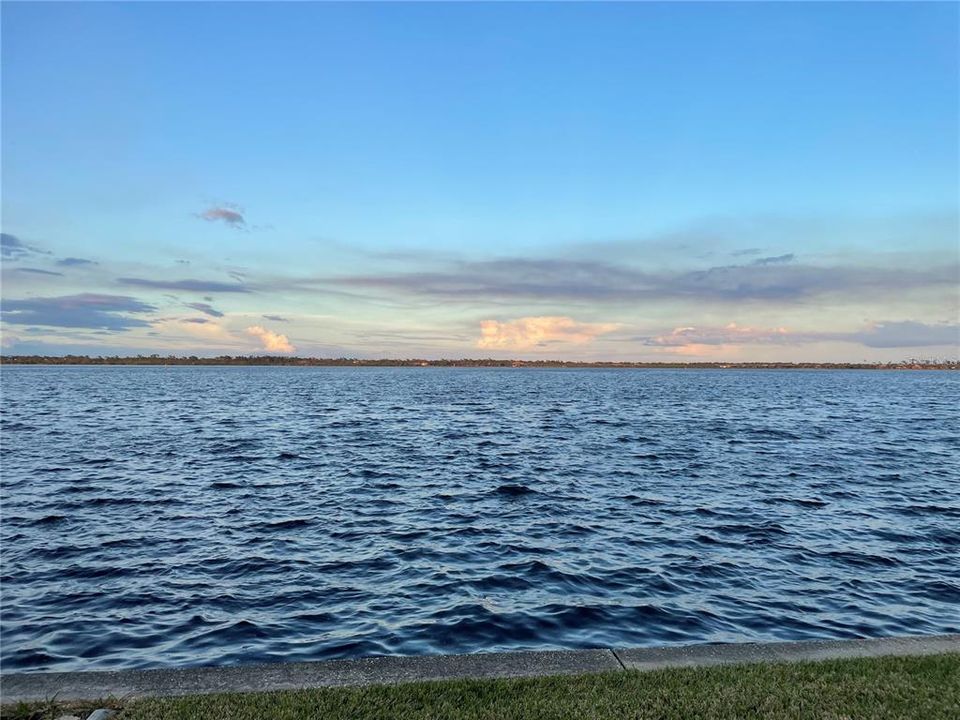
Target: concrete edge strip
x,y
17,687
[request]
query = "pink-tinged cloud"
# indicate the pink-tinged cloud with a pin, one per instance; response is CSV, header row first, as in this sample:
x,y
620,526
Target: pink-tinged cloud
x,y
906,333
230,216
731,334
532,332
272,342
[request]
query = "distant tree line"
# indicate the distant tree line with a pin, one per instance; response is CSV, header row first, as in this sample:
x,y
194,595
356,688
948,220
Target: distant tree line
x,y
911,364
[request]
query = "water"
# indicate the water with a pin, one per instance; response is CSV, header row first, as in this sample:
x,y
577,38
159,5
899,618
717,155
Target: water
x,y
160,516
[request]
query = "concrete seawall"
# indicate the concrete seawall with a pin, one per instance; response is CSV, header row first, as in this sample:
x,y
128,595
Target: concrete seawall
x,y
16,687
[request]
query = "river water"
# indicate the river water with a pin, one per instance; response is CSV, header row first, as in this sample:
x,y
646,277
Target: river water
x,y
162,516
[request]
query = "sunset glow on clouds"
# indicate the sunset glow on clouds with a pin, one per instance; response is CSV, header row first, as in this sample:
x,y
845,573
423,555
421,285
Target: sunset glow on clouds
x,y
478,208
729,334
538,332
272,341
718,343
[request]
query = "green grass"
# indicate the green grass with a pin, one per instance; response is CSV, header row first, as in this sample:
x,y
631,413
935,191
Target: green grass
x,y
52,709
926,688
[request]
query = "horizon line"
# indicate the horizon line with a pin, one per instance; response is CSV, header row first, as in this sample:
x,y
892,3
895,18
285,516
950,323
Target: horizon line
x,y
263,359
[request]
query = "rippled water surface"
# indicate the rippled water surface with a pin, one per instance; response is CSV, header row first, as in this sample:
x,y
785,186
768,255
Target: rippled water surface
x,y
184,515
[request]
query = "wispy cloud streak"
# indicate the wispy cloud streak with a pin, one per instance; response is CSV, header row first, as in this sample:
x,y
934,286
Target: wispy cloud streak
x,y
38,271
13,248
901,334
777,280
87,310
205,286
205,308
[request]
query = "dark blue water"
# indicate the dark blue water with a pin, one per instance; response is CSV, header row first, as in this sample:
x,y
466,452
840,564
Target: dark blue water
x,y
166,516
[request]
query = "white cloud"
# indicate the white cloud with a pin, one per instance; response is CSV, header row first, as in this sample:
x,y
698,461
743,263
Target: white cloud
x,y
272,342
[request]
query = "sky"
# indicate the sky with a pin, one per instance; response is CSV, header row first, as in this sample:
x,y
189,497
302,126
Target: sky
x,y
643,181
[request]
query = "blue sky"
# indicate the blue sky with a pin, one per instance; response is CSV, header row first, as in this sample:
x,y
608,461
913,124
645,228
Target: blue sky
x,y
651,181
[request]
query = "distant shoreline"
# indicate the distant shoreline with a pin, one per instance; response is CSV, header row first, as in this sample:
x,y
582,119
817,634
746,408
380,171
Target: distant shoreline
x,y
271,361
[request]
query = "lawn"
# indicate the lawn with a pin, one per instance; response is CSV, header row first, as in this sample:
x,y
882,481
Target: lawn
x,y
926,688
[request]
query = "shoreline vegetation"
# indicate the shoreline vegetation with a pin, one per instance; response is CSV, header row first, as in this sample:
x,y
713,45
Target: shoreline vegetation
x,y
272,360
884,687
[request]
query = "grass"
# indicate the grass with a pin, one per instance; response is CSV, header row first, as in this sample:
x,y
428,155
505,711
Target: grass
x,y
927,688
52,709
